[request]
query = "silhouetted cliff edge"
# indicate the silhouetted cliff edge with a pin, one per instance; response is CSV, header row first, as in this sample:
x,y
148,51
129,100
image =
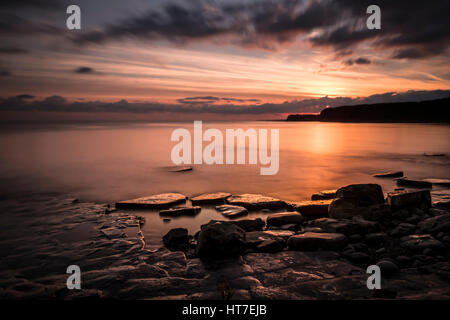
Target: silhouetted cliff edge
x,y
434,111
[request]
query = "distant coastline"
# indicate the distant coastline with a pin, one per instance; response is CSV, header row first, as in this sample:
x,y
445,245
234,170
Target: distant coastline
x,y
431,111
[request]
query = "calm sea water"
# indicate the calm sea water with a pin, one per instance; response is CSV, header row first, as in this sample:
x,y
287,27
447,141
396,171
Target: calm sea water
x,y
110,162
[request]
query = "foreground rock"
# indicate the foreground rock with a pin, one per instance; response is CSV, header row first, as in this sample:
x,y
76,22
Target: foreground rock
x,y
394,174
414,183
158,201
256,201
181,211
421,242
311,241
250,224
231,211
284,218
176,239
355,200
345,226
220,239
324,195
255,238
404,199
436,224
311,209
211,198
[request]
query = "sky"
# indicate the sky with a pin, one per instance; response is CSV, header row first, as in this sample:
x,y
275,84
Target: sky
x,y
217,59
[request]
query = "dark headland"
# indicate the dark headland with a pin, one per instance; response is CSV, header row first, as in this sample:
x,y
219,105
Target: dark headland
x,y
431,111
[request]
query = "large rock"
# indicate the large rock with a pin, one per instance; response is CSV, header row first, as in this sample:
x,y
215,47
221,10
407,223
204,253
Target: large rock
x,y
219,239
250,224
311,209
324,195
414,183
255,238
211,198
402,199
393,174
256,201
283,218
345,226
270,246
310,241
352,200
421,242
181,211
231,211
176,238
158,201
436,224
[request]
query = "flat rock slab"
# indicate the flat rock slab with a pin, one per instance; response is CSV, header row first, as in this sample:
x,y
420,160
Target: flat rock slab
x,y
250,224
211,198
312,209
414,183
180,169
402,199
231,211
183,211
393,174
439,182
283,218
434,154
311,241
324,195
157,201
256,201
255,238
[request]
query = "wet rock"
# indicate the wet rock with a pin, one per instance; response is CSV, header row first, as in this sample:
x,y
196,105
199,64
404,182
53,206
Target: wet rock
x,y
176,238
387,268
403,261
344,226
376,212
255,238
256,201
270,246
434,154
231,211
310,241
420,242
219,238
399,200
211,198
113,233
311,209
279,219
403,229
359,257
439,182
179,169
352,200
413,183
436,224
324,195
181,211
157,201
250,224
394,174
376,240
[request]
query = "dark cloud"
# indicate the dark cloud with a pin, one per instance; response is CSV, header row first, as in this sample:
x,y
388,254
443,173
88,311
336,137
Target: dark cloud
x,y
84,70
60,104
38,4
12,50
360,60
212,99
25,96
5,73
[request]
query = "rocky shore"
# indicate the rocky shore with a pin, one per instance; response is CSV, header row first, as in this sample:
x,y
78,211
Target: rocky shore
x,y
315,249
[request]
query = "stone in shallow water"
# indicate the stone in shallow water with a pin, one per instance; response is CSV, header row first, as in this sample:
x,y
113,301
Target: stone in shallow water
x,y
256,201
394,174
231,211
182,211
217,197
176,238
250,224
402,199
439,182
413,183
310,241
312,209
282,218
157,201
324,195
220,238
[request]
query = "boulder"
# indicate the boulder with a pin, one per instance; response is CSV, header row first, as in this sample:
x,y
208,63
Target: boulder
x,y
256,201
311,209
387,268
354,199
211,198
324,195
181,211
279,219
420,242
250,224
310,241
436,224
158,201
393,174
220,239
231,211
414,183
176,238
402,199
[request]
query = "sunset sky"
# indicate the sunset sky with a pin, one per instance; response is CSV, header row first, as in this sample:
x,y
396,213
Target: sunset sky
x,y
220,58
